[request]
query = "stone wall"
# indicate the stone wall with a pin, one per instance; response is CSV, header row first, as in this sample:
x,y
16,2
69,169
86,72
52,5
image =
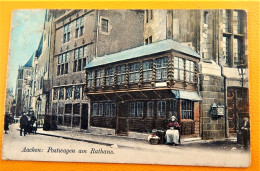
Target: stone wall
x,y
212,91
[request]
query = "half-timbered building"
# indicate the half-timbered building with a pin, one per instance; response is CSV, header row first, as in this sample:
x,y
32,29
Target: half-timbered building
x,y
139,89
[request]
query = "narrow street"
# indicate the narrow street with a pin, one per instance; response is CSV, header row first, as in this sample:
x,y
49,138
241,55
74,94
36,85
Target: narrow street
x,y
47,148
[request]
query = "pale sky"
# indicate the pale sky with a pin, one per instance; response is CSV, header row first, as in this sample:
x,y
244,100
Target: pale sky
x,y
26,30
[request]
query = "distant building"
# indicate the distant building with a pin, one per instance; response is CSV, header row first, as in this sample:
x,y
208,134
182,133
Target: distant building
x,y
23,93
80,36
9,101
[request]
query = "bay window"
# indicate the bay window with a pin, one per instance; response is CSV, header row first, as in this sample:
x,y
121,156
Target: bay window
x,y
161,69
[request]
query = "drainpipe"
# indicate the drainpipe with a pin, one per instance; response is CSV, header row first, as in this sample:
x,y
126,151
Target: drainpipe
x,y
97,27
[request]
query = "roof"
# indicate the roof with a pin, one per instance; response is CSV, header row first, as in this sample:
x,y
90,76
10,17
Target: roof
x,y
29,62
153,48
188,95
39,49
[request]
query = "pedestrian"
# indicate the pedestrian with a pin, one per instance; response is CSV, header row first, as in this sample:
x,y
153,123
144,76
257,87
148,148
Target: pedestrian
x,y
246,132
6,124
23,124
172,134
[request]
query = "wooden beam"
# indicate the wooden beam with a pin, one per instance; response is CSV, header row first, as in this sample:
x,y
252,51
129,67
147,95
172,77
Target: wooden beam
x,y
119,97
130,95
106,97
157,94
144,95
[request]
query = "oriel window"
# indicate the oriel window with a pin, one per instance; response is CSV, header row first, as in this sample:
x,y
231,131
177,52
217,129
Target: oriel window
x,y
161,69
109,76
121,74
90,78
190,68
134,72
147,70
178,68
99,78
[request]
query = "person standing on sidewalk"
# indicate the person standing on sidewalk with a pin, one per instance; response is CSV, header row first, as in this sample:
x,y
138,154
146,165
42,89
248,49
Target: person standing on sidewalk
x,y
245,132
6,124
23,124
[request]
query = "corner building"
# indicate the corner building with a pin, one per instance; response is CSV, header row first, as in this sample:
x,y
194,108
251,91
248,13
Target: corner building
x,y
139,89
80,36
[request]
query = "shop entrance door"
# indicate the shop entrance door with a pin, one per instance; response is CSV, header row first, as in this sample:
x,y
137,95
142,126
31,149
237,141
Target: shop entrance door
x,y
84,116
122,119
237,99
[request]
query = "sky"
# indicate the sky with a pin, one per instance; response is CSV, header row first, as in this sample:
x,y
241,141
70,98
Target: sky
x,y
26,30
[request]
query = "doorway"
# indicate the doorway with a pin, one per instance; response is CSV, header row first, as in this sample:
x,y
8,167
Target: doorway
x,y
122,119
84,116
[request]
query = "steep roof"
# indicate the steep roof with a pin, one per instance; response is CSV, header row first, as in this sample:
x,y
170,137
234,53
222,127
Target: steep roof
x,y
153,48
29,62
39,49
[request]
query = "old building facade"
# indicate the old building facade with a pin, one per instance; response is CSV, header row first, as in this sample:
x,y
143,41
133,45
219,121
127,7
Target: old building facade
x,y
220,37
80,36
140,89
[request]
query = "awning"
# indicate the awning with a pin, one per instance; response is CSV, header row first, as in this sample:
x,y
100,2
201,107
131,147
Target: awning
x,y
188,95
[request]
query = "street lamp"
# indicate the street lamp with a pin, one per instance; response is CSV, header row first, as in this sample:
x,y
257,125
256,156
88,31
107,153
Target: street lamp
x,y
242,71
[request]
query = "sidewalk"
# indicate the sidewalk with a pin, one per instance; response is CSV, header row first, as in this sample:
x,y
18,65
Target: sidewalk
x,y
113,140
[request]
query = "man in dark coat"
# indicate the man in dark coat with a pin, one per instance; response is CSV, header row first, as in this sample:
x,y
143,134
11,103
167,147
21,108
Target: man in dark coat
x,y
6,124
23,124
245,132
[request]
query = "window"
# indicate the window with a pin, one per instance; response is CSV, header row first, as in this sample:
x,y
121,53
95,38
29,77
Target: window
x,y
173,108
233,39
161,109
76,108
146,41
190,68
90,79
68,108
54,108
150,109
148,15
62,67
79,59
134,72
55,94
77,92
113,109
104,25
147,70
101,111
107,109
178,68
187,112
237,22
140,109
226,55
161,69
60,108
109,76
99,78
68,92
79,27
121,74
237,50
225,21
206,17
132,109
61,93
95,109
66,33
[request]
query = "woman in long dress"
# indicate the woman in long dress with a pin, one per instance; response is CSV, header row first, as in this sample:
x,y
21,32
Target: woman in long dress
x,y
172,134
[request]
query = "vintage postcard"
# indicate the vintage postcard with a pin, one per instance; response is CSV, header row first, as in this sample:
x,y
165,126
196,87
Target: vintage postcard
x,y
139,86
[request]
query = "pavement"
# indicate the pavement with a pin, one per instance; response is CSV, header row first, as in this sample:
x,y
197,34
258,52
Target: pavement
x,y
120,141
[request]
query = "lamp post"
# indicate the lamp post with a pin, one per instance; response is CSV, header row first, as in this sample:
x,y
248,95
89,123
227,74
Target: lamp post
x,y
242,71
